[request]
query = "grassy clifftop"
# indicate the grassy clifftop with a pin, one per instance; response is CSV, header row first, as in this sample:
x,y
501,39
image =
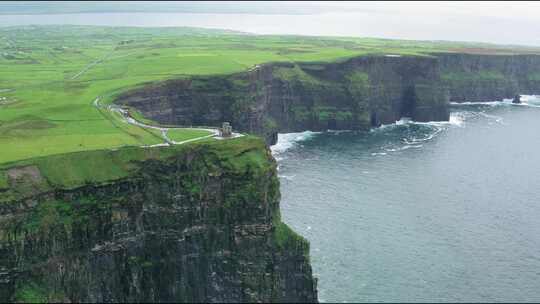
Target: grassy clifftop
x,y
72,170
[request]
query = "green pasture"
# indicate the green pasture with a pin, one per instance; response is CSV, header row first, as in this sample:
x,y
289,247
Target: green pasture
x,y
51,75
180,135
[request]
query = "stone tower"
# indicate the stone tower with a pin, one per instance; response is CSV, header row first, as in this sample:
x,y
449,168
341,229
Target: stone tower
x,y
226,130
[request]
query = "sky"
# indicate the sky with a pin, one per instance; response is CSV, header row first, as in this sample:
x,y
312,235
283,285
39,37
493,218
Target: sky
x,y
489,21
504,22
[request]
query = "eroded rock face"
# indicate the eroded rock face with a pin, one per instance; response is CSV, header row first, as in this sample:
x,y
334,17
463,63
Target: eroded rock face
x,y
489,77
355,94
282,97
196,227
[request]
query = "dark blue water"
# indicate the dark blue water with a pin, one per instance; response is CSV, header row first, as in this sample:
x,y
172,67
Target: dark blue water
x,y
421,212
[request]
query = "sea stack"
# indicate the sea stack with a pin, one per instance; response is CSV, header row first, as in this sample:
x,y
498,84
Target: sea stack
x,y
517,99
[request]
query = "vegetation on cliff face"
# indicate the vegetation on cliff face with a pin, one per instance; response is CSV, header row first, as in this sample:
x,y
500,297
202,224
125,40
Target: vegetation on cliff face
x,y
472,77
32,293
198,222
468,76
3,180
356,93
72,170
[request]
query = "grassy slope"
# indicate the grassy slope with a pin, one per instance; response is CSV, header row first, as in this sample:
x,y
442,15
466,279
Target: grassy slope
x,y
72,170
54,73
185,134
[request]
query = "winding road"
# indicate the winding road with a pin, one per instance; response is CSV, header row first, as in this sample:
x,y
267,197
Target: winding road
x,y
168,141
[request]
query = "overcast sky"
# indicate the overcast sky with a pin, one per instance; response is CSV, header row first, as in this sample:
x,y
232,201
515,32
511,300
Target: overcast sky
x,y
501,22
498,22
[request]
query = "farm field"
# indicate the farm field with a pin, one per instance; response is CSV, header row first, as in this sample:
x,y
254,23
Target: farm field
x,y
50,76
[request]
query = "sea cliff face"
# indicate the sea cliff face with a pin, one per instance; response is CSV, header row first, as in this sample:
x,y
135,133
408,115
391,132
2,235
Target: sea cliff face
x,y
283,97
357,93
489,77
191,223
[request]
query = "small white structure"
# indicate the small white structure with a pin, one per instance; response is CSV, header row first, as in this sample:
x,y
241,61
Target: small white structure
x,y
225,130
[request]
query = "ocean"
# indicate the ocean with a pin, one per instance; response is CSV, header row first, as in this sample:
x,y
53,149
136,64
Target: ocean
x,y
437,211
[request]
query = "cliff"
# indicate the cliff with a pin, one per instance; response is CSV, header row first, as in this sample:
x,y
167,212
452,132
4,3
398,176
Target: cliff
x,y
357,93
489,77
284,97
190,223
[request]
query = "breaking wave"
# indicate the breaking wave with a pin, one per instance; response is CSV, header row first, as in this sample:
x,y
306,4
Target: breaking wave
x,y
532,101
405,147
407,134
287,141
506,102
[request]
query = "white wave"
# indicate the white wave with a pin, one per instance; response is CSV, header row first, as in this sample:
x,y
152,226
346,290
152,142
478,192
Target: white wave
x,y
403,148
404,121
288,140
485,103
337,132
530,99
457,118
415,140
429,137
526,100
383,127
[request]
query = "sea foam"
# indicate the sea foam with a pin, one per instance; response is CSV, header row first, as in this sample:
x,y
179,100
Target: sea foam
x,y
287,141
532,101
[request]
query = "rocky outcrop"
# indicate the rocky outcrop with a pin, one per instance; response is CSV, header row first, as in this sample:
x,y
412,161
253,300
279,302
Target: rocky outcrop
x,y
489,77
191,223
284,97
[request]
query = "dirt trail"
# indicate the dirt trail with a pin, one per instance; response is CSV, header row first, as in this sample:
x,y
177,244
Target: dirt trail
x,y
92,64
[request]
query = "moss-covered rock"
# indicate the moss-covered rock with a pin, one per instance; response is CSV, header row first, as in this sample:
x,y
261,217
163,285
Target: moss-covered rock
x,y
471,77
190,223
357,93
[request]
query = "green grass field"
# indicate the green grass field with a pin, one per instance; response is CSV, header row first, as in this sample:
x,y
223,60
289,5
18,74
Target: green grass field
x,y
51,75
179,135
72,170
